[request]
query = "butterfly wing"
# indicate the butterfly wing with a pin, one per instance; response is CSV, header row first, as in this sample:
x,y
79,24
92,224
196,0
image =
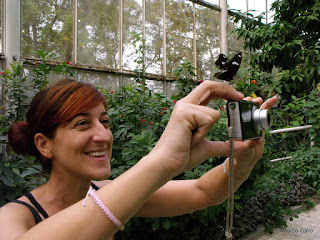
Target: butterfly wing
x,y
231,68
221,61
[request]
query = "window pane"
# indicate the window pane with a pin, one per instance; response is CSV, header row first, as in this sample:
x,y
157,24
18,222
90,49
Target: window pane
x,y
132,31
99,79
48,26
216,2
207,32
154,36
171,88
238,5
98,33
179,24
156,86
234,44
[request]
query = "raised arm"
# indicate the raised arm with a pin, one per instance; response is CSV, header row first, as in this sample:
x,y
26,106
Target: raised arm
x,y
183,196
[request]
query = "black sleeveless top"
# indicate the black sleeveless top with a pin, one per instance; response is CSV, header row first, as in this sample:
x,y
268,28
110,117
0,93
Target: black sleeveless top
x,y
38,207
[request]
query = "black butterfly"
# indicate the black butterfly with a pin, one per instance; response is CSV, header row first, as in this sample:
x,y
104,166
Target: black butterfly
x,y
228,68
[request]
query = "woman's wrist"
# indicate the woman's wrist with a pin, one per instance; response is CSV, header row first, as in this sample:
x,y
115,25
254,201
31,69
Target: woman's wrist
x,y
241,173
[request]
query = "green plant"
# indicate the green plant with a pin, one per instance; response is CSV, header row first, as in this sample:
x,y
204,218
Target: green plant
x,y
268,200
313,113
289,43
15,95
185,83
307,163
19,174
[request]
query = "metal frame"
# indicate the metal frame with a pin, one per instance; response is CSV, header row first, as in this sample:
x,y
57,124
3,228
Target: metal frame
x,y
12,48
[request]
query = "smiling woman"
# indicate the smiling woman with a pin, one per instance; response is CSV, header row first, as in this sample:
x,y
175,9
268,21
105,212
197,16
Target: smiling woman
x,y
67,128
56,105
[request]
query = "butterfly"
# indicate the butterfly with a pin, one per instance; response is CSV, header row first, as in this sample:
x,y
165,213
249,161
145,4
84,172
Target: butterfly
x,y
228,68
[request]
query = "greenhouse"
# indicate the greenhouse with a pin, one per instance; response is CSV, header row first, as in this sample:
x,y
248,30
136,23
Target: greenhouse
x,y
109,92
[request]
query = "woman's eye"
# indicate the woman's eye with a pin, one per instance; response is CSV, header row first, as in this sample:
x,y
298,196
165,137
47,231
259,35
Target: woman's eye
x,y
82,123
105,122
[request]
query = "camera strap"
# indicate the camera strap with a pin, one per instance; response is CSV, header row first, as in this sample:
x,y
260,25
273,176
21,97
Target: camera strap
x,y
229,221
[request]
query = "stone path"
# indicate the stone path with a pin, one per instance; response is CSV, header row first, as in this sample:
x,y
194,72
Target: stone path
x,y
305,227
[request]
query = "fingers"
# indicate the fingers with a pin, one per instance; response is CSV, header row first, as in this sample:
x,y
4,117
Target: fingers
x,y
222,149
269,103
205,118
208,90
257,100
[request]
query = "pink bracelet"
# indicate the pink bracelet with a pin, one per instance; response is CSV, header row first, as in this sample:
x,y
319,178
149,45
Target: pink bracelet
x,y
103,207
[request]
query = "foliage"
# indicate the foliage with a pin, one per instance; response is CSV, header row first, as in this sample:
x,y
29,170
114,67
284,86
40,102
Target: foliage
x,y
290,43
19,174
313,114
269,201
185,83
15,94
307,163
138,117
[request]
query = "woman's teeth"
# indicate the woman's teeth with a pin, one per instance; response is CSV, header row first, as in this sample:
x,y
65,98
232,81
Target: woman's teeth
x,y
96,154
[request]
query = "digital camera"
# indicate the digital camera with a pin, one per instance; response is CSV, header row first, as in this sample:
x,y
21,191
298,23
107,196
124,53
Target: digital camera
x,y
248,119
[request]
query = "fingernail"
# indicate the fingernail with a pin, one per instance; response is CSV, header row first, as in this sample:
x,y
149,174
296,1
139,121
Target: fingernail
x,y
240,95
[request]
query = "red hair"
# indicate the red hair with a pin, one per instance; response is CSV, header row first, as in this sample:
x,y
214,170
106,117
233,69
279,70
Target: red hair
x,y
53,106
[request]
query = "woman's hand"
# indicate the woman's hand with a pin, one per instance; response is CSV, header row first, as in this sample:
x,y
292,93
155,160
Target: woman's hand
x,y
183,145
248,152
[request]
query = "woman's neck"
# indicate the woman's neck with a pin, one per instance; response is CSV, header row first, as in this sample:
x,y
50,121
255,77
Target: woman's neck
x,y
61,191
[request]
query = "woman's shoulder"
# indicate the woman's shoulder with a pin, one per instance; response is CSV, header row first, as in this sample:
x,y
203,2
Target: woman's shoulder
x,y
15,219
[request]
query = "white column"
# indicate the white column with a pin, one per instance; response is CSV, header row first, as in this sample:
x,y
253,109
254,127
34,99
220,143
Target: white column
x,y
223,27
12,19
164,46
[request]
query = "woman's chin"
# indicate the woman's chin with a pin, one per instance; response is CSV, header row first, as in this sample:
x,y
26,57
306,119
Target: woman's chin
x,y
102,174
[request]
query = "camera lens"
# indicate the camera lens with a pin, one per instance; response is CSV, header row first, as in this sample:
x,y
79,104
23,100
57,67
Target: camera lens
x,y
261,119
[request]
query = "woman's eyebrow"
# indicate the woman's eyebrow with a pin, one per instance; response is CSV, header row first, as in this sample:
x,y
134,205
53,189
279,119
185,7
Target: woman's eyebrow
x,y
84,114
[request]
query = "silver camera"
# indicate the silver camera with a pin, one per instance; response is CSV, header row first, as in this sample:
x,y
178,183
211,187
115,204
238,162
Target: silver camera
x,y
248,119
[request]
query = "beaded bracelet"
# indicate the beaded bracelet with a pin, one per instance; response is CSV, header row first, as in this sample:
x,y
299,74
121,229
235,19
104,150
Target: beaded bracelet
x,y
226,171
104,208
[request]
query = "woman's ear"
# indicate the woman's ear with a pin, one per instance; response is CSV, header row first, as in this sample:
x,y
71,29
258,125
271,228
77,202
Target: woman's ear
x,y
43,144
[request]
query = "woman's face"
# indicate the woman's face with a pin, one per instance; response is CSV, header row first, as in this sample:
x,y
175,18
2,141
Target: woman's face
x,y
83,147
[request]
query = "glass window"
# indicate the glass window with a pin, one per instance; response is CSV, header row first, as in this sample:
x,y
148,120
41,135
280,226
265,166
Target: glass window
x,y
99,79
237,5
216,2
154,36
207,34
179,24
132,32
171,88
48,26
234,44
156,86
255,7
98,33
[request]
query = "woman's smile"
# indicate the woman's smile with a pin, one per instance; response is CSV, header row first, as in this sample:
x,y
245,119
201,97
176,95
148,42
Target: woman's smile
x,y
98,155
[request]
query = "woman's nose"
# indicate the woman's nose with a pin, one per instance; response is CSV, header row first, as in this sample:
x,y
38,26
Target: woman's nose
x,y
101,133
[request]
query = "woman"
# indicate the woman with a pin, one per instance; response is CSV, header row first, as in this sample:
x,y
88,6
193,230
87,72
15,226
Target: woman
x,y
67,128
